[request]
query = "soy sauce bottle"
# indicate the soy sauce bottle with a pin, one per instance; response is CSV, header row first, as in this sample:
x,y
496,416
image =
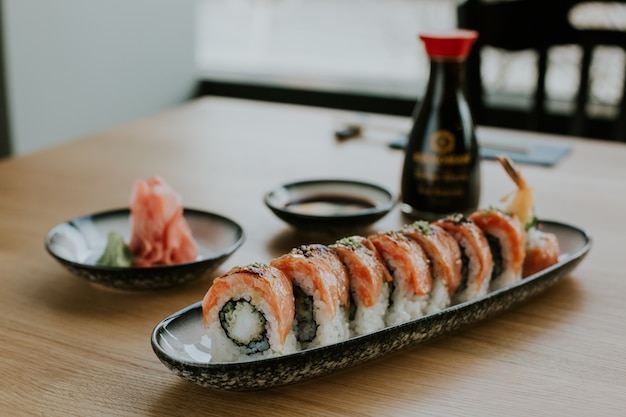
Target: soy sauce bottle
x,y
441,172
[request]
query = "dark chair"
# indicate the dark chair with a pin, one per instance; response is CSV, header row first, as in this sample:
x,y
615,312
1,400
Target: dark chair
x,y
516,25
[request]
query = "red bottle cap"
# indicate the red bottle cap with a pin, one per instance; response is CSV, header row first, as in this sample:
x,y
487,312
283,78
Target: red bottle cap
x,y
453,44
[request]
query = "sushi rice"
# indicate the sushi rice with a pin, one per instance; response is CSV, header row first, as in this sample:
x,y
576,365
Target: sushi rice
x,y
246,324
328,328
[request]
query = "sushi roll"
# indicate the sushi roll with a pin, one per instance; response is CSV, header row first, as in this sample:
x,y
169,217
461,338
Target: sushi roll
x,y
477,261
445,257
321,292
411,276
542,251
369,284
248,313
507,241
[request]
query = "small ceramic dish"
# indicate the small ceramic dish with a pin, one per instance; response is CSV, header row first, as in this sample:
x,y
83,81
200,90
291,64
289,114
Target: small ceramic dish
x,y
330,204
78,243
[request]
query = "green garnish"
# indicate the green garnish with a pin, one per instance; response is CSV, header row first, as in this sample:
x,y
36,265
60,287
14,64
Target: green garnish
x,y
491,209
532,222
423,227
349,241
116,252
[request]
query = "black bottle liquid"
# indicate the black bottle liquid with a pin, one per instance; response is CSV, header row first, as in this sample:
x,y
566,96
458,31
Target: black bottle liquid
x,y
441,172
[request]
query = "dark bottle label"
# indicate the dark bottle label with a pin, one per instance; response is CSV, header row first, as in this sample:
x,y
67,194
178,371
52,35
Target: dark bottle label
x,y
441,176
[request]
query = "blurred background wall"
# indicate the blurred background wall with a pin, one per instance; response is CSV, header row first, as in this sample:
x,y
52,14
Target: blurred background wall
x,y
75,67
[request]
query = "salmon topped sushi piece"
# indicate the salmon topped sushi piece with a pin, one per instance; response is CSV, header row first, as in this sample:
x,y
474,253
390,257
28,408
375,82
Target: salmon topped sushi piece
x,y
249,314
507,241
445,257
160,233
369,283
477,261
321,292
542,248
411,276
542,251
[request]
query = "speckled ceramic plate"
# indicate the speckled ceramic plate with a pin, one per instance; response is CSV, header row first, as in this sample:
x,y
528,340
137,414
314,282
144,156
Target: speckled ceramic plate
x,y
78,243
181,343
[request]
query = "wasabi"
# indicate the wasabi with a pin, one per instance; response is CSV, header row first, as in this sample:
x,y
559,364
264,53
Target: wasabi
x,y
116,252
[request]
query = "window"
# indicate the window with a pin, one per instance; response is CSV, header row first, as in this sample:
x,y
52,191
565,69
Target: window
x,y
371,47
366,46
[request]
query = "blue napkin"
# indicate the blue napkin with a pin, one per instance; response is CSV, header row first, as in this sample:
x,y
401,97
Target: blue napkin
x,y
529,153
520,151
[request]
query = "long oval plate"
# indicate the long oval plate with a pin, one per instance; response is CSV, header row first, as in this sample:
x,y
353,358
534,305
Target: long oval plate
x,y
181,342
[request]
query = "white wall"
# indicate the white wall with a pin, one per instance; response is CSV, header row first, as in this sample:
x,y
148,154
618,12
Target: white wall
x,y
76,67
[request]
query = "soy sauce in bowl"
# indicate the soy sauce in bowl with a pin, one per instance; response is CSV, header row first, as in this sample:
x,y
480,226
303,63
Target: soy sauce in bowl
x,y
317,205
330,205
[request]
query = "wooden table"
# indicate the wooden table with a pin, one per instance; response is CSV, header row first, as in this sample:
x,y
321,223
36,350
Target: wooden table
x,y
69,348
